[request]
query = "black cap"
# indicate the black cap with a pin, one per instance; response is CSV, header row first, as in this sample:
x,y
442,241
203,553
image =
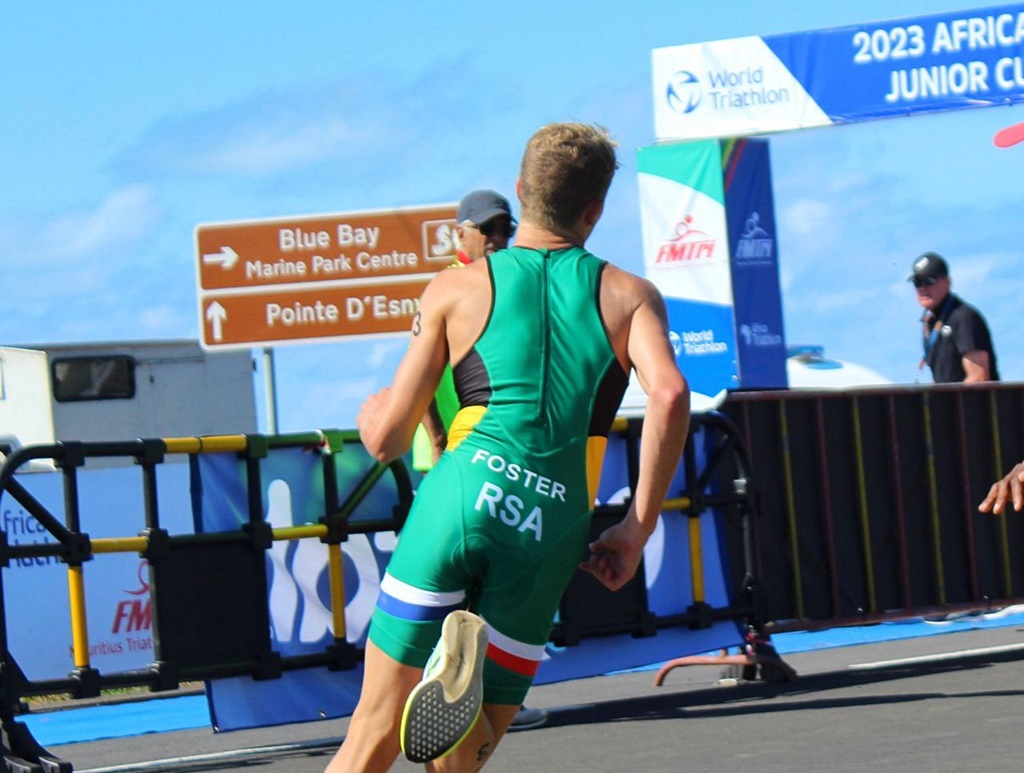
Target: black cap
x,y
480,206
929,266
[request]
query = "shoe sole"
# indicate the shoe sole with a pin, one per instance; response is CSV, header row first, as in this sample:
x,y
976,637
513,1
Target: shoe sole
x,y
442,709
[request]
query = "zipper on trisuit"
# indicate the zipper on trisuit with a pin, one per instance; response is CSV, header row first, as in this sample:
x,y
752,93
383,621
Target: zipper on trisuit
x,y
545,311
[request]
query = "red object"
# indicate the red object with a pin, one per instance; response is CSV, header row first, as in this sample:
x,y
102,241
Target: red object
x,y
1011,135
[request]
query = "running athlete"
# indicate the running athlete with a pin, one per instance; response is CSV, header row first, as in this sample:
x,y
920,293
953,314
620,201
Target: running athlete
x,y
542,338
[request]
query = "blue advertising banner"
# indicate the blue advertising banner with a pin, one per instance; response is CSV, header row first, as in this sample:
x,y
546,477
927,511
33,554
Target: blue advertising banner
x,y
117,588
750,216
298,580
899,67
299,594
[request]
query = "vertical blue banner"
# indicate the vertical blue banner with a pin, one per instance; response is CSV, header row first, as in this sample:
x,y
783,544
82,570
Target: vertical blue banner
x,y
757,298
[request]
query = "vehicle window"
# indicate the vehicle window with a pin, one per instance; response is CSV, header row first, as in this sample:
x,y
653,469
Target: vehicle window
x,y
110,377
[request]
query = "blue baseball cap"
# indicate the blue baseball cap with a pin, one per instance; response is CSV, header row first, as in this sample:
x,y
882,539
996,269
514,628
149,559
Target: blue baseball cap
x,y
480,206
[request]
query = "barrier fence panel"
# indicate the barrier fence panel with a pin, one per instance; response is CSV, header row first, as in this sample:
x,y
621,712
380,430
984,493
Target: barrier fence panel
x,y
791,510
208,594
867,500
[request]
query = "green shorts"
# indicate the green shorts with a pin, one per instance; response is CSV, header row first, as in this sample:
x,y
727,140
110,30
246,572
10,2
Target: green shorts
x,y
495,533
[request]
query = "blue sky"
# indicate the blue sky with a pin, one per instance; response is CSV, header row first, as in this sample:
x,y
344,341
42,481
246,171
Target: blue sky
x,y
126,125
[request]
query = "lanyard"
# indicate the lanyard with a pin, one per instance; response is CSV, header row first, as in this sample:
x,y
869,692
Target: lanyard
x,y
933,334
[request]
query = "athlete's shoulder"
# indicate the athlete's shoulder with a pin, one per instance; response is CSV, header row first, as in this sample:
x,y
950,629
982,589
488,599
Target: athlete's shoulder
x,y
453,281
629,285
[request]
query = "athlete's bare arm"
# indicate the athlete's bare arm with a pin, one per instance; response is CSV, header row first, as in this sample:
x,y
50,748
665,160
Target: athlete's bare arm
x,y
452,310
638,327
667,418
387,419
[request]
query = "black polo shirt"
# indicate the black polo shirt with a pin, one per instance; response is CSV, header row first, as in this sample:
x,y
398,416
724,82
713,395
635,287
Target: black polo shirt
x,y
962,330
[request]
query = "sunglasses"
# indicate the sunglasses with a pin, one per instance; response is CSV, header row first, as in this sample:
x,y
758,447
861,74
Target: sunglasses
x,y
926,281
495,228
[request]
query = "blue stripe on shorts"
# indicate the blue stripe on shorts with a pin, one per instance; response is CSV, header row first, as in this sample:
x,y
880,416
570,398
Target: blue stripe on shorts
x,y
416,612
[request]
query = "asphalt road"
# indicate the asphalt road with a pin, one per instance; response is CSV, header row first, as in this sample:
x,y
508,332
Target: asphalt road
x,y
955,705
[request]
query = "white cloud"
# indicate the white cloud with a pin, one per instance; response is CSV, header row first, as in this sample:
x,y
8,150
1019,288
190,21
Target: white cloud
x,y
806,217
277,148
122,216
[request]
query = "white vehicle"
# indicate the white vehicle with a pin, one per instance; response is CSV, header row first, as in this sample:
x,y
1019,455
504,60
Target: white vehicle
x,y
807,367
121,391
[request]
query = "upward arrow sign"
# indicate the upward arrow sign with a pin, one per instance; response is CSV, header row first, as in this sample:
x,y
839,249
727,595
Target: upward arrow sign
x,y
215,315
227,257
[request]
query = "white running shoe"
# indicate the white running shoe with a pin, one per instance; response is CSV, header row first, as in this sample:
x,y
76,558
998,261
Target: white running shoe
x,y
444,706
527,719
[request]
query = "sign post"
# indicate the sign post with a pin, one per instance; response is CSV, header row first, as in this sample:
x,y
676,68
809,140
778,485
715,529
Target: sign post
x,y
302,279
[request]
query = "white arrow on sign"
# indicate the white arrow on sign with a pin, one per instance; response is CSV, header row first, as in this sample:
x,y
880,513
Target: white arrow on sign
x,y
227,257
215,315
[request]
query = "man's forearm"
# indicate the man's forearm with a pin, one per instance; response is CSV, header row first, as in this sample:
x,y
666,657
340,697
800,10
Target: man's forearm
x,y
666,425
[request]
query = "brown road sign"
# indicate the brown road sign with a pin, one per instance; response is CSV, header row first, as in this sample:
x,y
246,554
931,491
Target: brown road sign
x,y
260,282
315,313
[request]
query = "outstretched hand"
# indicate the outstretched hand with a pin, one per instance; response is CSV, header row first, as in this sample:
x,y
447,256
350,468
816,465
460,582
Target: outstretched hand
x,y
1010,488
368,421
615,555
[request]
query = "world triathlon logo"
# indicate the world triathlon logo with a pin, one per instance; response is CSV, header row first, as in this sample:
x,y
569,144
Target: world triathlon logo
x,y
676,341
684,92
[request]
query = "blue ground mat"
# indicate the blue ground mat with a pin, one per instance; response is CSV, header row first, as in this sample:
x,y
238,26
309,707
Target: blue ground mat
x,y
120,720
804,641
189,712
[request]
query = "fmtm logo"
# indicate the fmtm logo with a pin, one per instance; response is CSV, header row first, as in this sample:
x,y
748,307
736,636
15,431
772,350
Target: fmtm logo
x,y
135,614
689,245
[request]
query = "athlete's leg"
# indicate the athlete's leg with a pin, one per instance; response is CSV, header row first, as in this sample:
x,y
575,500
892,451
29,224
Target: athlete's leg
x,y
471,755
371,743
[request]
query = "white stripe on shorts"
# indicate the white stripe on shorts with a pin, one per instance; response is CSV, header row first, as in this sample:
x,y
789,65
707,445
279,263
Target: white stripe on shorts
x,y
423,598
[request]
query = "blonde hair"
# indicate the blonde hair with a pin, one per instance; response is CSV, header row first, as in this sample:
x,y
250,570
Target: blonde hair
x,y
565,167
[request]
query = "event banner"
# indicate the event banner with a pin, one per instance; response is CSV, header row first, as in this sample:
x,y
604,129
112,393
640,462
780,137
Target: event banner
x,y
757,294
708,235
299,594
945,61
117,586
686,254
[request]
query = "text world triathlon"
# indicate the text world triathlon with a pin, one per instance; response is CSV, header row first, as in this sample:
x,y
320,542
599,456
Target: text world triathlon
x,y
743,88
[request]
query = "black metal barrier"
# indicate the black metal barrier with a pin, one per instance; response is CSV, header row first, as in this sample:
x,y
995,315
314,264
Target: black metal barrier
x,y
867,501
719,484
865,504
209,591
